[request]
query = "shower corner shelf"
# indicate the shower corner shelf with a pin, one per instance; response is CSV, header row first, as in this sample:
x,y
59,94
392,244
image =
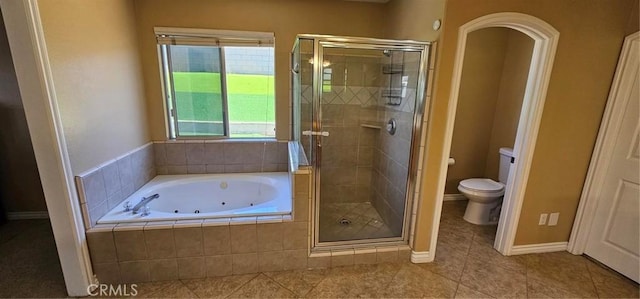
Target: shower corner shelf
x,y
389,69
393,96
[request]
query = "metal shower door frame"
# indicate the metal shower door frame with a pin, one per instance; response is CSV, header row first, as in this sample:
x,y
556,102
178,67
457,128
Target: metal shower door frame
x,y
326,41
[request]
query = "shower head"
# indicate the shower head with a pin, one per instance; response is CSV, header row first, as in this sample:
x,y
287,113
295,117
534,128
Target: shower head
x,y
386,53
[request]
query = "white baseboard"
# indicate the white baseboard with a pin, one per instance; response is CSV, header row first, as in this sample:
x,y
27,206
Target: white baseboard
x,y
27,215
539,248
420,257
452,197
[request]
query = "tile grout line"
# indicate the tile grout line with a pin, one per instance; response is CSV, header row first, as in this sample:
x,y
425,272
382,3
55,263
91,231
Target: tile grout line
x,y
319,282
466,258
278,283
393,278
591,278
242,285
187,287
456,291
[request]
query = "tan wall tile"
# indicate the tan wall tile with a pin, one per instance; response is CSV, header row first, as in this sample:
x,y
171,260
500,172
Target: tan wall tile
x,y
270,261
219,265
341,260
194,153
192,267
188,241
365,258
101,247
269,237
295,259
301,209
107,273
295,235
130,245
243,153
245,263
301,182
160,270
137,271
175,153
319,262
217,240
244,238
160,243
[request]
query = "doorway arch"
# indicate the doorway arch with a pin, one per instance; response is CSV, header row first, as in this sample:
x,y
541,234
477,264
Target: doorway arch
x,y
545,39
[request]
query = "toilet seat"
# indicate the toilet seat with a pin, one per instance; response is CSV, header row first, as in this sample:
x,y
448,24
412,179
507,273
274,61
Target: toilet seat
x,y
483,186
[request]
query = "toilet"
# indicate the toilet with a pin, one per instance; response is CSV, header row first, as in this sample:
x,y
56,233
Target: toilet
x,y
485,195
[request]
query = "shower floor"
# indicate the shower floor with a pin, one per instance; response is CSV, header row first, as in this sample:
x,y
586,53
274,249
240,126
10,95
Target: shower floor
x,y
365,222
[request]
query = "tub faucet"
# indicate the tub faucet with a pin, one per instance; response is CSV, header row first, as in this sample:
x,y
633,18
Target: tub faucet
x,y
144,202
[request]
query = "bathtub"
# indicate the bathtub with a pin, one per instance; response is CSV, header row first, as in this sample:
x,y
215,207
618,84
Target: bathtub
x,y
205,196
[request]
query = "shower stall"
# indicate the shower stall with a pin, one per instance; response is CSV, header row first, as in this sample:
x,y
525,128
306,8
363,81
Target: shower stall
x,y
357,113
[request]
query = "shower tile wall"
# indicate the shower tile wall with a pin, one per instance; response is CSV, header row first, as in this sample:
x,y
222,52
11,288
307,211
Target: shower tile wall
x,y
348,103
391,169
392,153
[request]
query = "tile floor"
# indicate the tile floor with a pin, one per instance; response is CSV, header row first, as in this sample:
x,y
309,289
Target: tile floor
x,y
465,267
365,222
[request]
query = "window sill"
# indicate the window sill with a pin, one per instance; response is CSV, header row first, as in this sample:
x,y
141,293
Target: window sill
x,y
222,140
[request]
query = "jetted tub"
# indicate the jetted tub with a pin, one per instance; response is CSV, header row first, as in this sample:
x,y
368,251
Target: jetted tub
x,y
202,196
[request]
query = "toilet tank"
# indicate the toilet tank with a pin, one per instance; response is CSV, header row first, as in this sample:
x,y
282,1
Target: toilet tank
x,y
506,154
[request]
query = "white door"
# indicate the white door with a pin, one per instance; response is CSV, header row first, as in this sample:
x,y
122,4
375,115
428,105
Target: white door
x,y
614,238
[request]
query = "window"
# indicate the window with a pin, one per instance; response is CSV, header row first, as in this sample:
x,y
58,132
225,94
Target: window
x,y
218,84
326,79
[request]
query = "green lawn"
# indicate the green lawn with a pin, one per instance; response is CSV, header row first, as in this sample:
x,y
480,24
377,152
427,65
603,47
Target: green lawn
x,y
250,97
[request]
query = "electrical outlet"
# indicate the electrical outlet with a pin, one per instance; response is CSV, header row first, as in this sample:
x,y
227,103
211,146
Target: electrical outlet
x,y
543,219
553,219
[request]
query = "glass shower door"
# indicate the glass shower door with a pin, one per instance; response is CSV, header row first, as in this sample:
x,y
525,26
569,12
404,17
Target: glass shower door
x,y
366,110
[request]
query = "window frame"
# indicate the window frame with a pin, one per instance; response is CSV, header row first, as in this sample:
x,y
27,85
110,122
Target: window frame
x,y
204,37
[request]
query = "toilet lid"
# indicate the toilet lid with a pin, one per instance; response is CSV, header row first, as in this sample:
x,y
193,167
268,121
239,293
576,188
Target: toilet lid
x,y
482,185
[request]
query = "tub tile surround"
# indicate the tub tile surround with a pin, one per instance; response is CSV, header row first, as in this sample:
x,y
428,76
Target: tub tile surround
x,y
169,250
185,249
106,186
211,156
198,249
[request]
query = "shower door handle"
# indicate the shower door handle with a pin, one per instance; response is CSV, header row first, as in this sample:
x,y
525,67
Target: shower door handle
x,y
315,133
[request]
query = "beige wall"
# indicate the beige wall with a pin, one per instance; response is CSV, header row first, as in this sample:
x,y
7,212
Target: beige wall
x,y
20,189
634,19
286,18
96,70
584,65
413,19
479,88
512,86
